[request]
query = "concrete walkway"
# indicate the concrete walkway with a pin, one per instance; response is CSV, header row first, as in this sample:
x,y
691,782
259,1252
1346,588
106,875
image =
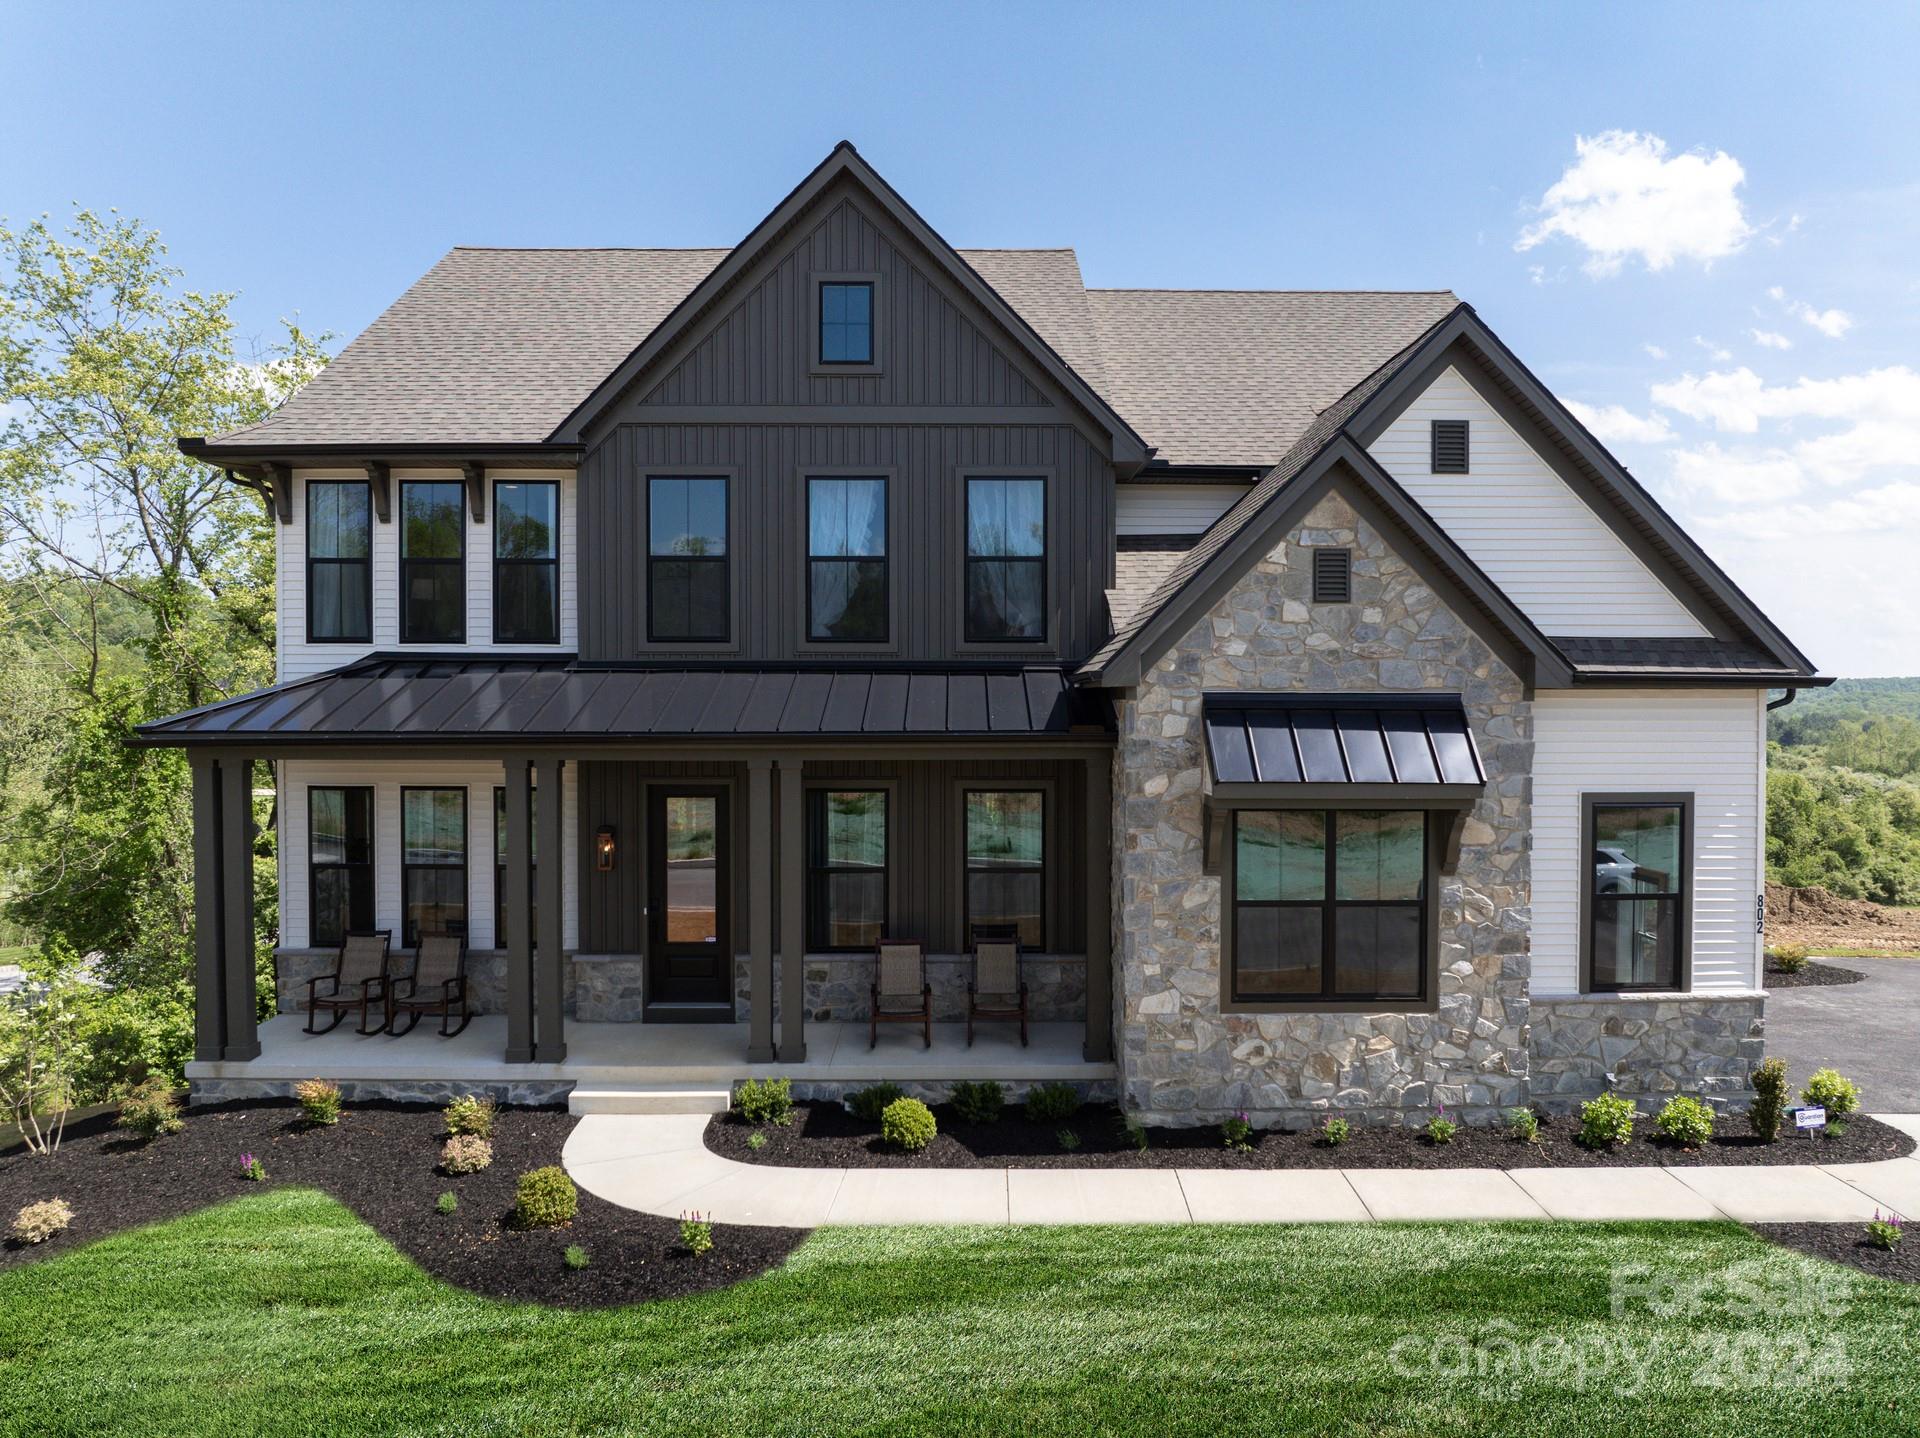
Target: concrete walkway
x,y
657,1163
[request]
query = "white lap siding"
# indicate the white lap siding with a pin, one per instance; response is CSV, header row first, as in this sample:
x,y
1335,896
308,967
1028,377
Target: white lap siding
x,y
1518,520
1710,743
296,657
387,778
1173,508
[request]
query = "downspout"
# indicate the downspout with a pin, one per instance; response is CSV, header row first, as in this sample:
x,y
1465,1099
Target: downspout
x,y
1783,701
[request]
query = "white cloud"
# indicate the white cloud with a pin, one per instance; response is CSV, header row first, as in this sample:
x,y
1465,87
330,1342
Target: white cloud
x,y
1771,339
1889,508
1736,477
1623,197
1616,424
1654,351
1834,324
1715,350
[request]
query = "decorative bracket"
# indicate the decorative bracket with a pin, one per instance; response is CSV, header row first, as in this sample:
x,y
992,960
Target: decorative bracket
x,y
280,479
377,473
476,490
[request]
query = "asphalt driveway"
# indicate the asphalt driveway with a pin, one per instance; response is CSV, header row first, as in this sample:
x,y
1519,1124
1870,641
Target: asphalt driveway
x,y
1870,1031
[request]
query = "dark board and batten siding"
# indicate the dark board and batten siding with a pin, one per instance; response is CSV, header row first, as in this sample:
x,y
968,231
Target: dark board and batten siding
x,y
928,464
760,351
927,880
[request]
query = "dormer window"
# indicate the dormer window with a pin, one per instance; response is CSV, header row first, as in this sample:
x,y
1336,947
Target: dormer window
x,y
846,322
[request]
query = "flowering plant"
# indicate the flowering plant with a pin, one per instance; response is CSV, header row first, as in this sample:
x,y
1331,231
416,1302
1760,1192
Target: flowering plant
x,y
251,1168
1440,1128
1885,1232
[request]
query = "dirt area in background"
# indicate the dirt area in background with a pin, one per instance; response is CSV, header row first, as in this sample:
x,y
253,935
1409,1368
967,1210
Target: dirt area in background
x,y
1825,922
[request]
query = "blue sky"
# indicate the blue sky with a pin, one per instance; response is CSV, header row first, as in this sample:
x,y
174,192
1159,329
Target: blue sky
x,y
1700,222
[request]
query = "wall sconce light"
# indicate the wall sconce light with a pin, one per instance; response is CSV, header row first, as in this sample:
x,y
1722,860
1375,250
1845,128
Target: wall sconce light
x,y
603,850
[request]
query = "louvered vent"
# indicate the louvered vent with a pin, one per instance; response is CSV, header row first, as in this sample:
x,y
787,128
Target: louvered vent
x,y
1332,576
1449,446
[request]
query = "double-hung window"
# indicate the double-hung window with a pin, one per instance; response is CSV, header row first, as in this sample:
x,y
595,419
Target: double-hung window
x,y
1006,861
847,560
689,588
847,868
1006,599
433,567
526,562
433,863
1328,905
339,562
500,872
1637,899
339,863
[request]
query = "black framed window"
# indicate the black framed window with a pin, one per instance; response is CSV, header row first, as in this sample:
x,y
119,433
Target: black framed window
x,y
339,562
1329,905
433,563
500,872
339,863
1636,907
689,589
846,868
847,560
1006,560
846,322
433,863
1006,844
526,562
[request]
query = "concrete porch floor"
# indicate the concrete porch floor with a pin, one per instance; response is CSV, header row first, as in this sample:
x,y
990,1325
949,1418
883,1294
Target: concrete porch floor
x,y
663,1053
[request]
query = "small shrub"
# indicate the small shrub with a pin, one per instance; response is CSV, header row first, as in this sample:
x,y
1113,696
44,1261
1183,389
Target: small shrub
x,y
908,1124
1606,1121
1769,1099
765,1101
319,1101
1135,1131
1237,1132
470,1113
1440,1128
1333,1132
1052,1102
1067,1139
978,1102
1685,1121
545,1198
696,1233
1833,1092
446,1204
575,1257
251,1169
465,1153
757,1140
38,1222
151,1109
869,1103
1834,1130
1789,958
1523,1125
1882,1232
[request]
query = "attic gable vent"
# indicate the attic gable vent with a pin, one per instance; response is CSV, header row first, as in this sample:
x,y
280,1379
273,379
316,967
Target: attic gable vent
x,y
1332,576
1449,446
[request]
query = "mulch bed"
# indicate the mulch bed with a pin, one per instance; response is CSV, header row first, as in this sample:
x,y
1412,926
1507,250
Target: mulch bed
x,y
825,1135
381,1161
1847,1243
1813,976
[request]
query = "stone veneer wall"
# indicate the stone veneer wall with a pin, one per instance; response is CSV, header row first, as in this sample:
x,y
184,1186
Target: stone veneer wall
x,y
1646,1046
1184,1061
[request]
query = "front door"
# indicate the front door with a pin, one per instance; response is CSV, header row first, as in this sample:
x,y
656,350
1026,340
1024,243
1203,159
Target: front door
x,y
688,947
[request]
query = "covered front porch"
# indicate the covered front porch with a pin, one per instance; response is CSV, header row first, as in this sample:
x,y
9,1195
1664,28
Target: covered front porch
x,y
616,1055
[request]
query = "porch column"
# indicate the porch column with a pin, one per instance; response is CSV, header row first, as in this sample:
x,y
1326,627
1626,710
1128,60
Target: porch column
x,y
550,957
1099,890
519,938
209,988
760,912
241,1041
793,940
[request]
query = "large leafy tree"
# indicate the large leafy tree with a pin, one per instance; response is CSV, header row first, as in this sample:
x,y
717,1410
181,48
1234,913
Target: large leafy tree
x,y
136,581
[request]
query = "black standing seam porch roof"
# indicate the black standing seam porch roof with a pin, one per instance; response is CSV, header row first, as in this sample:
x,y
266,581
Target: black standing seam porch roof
x,y
471,699
1340,739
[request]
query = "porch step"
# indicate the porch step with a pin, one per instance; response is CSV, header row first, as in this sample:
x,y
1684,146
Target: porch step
x,y
649,1098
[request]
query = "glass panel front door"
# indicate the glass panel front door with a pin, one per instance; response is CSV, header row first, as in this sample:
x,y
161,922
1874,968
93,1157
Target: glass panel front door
x,y
687,900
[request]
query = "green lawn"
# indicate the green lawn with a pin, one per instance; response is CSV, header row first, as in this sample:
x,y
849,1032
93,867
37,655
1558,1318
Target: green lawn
x,y
282,1313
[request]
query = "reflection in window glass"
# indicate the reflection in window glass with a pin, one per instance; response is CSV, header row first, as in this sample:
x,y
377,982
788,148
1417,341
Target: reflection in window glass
x,y
848,868
1638,895
526,549
846,323
339,565
688,588
1006,560
433,563
847,560
433,862
1006,853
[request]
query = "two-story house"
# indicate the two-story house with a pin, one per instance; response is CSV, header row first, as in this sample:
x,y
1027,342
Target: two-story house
x,y
1337,723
